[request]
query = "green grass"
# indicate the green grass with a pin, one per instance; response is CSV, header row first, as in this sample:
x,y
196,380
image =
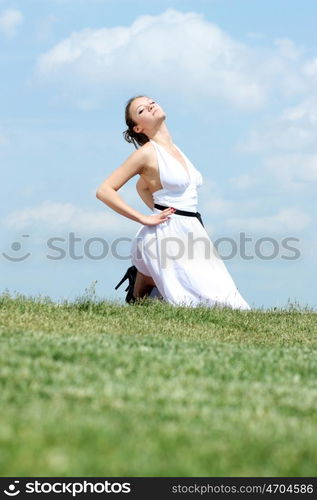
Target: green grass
x,y
103,389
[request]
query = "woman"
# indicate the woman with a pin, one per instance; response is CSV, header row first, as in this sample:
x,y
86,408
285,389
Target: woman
x,y
162,251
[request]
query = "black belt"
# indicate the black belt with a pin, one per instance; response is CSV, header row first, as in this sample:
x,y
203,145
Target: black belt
x,y
182,212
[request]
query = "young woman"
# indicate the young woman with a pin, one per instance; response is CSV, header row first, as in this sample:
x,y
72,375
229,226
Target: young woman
x,y
169,260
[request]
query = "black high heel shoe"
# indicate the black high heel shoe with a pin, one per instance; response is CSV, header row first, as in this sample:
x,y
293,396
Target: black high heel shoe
x,y
131,276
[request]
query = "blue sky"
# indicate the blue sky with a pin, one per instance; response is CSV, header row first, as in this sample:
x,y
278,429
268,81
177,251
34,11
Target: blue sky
x,y
238,82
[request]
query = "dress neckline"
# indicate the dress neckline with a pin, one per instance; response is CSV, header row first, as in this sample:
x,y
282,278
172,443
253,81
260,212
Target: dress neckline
x,y
186,167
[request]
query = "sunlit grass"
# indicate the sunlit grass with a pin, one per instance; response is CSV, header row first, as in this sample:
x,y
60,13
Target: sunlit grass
x,y
96,388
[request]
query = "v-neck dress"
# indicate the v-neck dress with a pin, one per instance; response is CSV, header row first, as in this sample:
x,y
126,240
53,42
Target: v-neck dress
x,y
178,253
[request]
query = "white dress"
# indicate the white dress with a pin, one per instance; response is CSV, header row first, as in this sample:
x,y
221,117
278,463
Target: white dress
x,y
178,253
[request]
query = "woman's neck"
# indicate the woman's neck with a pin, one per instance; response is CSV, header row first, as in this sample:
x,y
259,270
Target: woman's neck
x,y
163,137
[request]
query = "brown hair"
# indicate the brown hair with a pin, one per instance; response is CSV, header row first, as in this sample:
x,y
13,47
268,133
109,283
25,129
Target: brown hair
x,y
130,135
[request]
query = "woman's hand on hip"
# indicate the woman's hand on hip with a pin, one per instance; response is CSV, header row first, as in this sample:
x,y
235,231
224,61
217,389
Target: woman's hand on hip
x,y
154,220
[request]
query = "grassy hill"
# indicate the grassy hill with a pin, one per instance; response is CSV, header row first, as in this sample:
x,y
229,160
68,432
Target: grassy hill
x,y
104,389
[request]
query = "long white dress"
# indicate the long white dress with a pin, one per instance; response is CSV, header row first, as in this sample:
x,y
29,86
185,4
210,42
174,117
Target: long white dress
x,y
178,253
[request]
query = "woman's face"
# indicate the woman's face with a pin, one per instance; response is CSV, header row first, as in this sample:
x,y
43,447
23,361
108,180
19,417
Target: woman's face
x,y
147,114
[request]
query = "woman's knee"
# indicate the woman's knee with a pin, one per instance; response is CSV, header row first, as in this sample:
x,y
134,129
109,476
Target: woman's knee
x,y
148,280
143,285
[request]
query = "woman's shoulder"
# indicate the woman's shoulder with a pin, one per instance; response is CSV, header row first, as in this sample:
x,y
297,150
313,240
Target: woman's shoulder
x,y
146,153
146,148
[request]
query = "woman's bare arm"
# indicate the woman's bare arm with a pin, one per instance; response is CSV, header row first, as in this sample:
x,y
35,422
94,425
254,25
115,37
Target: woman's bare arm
x,y
145,193
107,191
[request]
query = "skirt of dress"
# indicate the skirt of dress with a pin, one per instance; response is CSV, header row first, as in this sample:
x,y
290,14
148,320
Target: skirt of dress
x,y
184,264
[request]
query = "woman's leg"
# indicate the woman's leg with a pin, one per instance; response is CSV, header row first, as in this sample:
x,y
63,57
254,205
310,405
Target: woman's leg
x,y
143,285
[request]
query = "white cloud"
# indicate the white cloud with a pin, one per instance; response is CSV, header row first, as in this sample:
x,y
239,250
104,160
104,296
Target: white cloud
x,y
176,51
282,68
294,129
279,136
217,205
10,21
306,111
66,216
287,219
288,49
211,201
309,68
173,50
288,145
293,171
